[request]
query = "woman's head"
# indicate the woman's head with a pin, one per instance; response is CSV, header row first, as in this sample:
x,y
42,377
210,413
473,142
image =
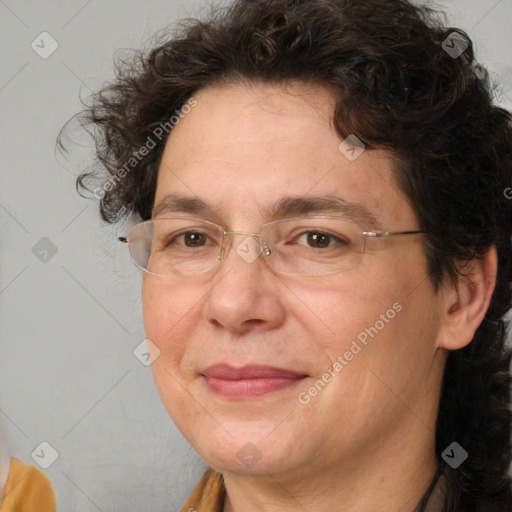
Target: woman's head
x,y
374,103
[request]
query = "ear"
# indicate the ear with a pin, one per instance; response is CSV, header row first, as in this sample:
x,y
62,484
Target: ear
x,y
465,302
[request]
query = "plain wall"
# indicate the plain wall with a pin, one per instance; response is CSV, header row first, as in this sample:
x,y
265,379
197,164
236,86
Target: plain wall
x,y
70,314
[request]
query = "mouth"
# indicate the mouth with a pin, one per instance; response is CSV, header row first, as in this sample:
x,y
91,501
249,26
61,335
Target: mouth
x,y
249,381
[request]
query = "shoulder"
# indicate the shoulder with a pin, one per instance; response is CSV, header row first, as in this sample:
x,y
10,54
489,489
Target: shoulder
x,y
208,495
27,488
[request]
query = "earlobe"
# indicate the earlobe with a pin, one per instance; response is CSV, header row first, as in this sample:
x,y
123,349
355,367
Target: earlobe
x,y
465,303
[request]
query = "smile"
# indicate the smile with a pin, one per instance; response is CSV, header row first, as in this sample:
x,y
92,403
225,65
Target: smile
x,y
249,381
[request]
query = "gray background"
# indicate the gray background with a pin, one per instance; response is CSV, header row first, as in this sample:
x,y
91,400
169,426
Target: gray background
x,y
70,321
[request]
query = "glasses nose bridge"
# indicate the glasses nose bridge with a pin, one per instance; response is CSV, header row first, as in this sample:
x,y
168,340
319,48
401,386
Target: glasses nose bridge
x,y
224,247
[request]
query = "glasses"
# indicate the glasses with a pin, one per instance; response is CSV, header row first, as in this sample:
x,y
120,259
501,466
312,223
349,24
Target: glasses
x,y
312,246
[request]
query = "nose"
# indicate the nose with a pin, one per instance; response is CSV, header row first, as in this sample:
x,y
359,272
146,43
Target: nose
x,y
246,294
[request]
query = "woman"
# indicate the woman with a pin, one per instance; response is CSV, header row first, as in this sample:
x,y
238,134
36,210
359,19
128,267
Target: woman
x,y
319,189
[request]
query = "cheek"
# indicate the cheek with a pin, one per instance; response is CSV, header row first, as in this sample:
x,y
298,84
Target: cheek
x,y
389,300
169,314
346,303
169,320
156,309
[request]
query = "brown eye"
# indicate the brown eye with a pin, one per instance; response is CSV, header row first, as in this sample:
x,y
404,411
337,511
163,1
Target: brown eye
x,y
318,240
322,240
194,239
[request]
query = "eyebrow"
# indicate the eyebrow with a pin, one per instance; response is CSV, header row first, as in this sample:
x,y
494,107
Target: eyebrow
x,y
283,208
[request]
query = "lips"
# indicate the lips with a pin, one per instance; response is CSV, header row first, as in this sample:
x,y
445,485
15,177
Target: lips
x,y
249,381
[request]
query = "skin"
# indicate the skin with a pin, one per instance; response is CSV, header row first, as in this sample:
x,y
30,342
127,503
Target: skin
x,y
366,441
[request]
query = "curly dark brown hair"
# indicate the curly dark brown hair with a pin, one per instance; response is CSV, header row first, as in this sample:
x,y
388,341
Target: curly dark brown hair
x,y
397,89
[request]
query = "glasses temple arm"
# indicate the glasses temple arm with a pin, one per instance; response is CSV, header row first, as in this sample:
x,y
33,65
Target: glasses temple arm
x,y
390,233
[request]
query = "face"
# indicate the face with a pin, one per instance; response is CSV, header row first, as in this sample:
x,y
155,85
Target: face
x,y
354,350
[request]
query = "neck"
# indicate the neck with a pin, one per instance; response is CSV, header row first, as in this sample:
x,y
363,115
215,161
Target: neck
x,y
387,480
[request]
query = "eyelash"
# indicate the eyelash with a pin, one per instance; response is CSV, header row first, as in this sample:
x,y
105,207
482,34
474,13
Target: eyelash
x,y
332,237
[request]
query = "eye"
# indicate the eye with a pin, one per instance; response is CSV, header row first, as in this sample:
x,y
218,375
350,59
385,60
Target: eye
x,y
188,239
322,240
194,239
318,240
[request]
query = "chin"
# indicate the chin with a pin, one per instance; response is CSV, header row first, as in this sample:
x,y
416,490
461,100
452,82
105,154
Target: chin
x,y
248,451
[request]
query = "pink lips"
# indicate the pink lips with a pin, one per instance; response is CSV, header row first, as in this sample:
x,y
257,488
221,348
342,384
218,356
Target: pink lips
x,y
250,381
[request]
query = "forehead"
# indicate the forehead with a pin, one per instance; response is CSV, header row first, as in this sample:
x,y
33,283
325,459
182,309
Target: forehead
x,y
246,146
